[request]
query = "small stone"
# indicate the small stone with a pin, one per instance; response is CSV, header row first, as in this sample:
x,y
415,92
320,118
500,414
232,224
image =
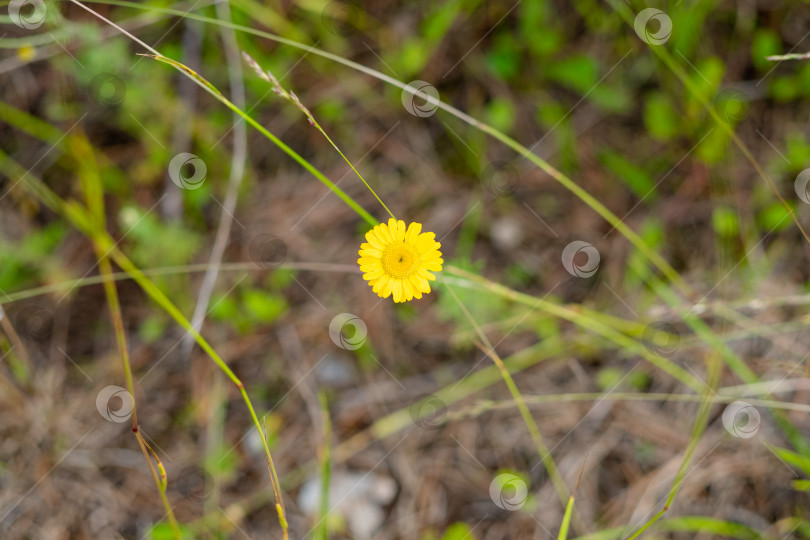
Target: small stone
x,y
358,497
506,233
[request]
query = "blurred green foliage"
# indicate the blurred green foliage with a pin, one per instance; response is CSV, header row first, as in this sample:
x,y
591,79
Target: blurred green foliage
x,y
531,76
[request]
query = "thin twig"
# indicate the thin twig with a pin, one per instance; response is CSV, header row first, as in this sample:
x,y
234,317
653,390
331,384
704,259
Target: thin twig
x,y
793,56
234,182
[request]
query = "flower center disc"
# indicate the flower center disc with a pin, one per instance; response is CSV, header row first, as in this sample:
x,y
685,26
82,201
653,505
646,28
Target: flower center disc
x,y
399,260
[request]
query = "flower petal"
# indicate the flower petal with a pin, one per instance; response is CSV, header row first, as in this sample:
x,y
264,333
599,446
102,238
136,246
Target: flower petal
x,y
398,296
426,242
388,289
424,274
370,251
374,240
413,232
384,234
373,276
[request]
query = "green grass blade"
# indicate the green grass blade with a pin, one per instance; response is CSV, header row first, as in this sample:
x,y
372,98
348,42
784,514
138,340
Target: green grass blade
x,y
709,525
801,462
566,522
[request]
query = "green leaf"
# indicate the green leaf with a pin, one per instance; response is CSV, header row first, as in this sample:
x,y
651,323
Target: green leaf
x,y
550,113
725,221
539,29
504,58
708,75
803,79
688,25
411,57
713,148
801,485
224,308
458,531
638,380
577,72
501,114
608,377
631,175
785,89
152,328
660,116
774,218
164,531
797,149
280,278
613,97
438,22
766,42
263,306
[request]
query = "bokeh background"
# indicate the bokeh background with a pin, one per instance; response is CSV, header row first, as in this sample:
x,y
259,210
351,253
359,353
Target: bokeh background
x,y
402,403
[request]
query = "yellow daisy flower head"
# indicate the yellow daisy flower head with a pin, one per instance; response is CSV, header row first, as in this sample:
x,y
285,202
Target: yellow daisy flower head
x,y
399,261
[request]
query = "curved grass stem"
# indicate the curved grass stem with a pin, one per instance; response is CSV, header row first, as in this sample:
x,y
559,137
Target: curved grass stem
x,y
94,196
82,218
163,301
656,259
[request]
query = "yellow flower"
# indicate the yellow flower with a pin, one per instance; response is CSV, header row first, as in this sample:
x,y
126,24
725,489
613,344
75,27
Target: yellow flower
x,y
26,53
397,261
